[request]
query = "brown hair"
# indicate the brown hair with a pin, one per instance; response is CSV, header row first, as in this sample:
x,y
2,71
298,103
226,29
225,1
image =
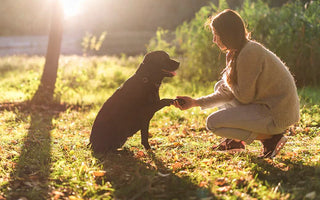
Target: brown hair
x,y
231,29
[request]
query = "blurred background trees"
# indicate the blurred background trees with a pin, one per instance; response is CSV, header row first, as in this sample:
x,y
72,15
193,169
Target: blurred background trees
x,y
30,17
290,28
25,17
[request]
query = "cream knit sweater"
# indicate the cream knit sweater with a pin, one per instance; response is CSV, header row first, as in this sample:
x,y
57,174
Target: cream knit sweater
x,y
262,79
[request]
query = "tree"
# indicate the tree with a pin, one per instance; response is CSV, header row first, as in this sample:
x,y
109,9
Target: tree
x,y
46,88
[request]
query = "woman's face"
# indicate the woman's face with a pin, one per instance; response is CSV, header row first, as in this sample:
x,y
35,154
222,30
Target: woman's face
x,y
216,39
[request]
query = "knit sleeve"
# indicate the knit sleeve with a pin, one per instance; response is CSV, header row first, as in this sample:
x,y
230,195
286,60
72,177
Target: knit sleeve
x,y
249,67
221,95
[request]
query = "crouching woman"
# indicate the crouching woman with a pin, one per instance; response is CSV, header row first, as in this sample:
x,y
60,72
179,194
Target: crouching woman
x,y
257,95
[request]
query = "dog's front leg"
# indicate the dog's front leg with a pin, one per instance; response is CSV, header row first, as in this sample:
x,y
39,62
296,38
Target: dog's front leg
x,y
164,103
145,135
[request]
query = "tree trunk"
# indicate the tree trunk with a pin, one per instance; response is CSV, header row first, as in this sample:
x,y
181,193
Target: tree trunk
x,y
46,88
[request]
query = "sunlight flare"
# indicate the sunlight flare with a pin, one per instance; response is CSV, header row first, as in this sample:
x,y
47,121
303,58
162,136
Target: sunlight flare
x,y
72,7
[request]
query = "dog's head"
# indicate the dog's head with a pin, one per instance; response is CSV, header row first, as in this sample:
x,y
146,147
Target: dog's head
x,y
158,64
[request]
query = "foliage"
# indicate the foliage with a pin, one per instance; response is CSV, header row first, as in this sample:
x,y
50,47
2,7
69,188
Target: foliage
x,y
201,60
44,152
291,31
160,42
91,43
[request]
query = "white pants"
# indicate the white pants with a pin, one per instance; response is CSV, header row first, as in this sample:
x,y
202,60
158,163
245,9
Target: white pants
x,y
242,121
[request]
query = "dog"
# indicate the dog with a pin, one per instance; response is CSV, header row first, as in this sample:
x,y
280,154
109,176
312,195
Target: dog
x,y
133,105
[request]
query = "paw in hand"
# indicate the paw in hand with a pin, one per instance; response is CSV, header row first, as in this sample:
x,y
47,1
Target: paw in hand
x,y
181,102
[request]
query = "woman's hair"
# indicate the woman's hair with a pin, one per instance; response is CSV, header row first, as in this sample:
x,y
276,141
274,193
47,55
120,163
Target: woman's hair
x,y
230,28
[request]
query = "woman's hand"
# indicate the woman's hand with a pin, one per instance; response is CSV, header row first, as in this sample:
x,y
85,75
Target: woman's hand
x,y
188,102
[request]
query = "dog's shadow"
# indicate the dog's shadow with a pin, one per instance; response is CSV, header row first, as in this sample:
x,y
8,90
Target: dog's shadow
x,y
146,177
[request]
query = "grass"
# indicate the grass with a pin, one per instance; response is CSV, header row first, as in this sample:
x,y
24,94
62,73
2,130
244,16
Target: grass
x,y
44,152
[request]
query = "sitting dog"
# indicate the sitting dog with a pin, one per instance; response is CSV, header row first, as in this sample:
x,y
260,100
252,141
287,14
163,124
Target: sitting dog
x,y
132,106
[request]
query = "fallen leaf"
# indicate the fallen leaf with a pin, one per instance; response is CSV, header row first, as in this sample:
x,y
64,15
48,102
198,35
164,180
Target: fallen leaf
x,y
133,148
206,162
224,189
154,142
172,138
99,173
281,165
307,129
203,184
177,144
14,141
221,181
176,166
140,154
57,195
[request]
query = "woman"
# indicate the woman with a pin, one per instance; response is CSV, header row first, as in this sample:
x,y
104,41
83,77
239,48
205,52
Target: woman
x,y
257,95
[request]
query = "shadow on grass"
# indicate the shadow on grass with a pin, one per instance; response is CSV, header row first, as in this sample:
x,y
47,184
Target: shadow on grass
x,y
30,176
288,176
146,177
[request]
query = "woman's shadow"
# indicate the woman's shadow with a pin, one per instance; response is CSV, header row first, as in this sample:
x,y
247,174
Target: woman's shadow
x,y
31,169
144,176
289,176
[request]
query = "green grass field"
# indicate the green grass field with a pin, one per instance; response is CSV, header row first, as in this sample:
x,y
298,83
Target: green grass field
x,y
44,152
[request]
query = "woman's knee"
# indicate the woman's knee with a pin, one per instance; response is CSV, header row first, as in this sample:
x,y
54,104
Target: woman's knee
x,y
212,122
